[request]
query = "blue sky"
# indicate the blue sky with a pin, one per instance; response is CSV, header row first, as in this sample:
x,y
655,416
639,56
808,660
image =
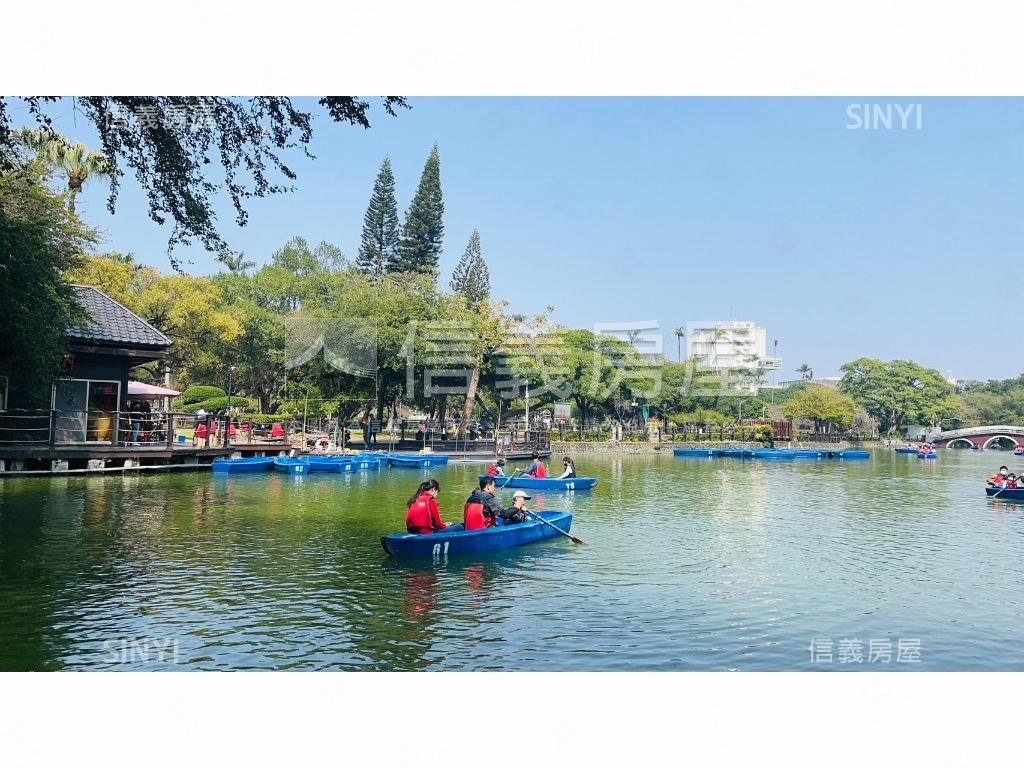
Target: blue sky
x,y
842,243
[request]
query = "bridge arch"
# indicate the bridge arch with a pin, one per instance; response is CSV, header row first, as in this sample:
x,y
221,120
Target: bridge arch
x,y
996,438
957,440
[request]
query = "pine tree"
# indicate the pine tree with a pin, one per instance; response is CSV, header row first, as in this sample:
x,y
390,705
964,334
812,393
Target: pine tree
x,y
471,277
420,247
378,251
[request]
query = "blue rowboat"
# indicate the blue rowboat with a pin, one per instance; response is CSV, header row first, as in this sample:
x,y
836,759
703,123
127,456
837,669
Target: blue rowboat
x,y
291,466
906,450
417,460
1008,494
545,483
695,452
460,542
364,461
327,463
927,456
254,464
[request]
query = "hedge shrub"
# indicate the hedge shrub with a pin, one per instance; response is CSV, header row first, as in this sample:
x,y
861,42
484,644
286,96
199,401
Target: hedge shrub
x,y
197,395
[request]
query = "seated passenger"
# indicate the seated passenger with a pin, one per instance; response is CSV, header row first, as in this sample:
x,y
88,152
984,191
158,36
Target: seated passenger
x,y
482,508
999,478
517,512
1011,481
423,515
536,468
497,468
568,469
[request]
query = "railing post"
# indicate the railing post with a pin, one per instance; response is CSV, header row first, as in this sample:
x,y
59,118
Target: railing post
x,y
170,431
53,428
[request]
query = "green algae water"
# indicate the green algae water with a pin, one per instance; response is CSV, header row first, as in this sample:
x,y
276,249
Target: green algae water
x,y
890,564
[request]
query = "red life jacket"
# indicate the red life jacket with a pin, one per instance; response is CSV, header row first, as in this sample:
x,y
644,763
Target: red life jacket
x,y
418,518
542,471
473,516
493,470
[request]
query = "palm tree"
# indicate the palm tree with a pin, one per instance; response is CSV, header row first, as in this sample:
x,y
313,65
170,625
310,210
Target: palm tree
x,y
235,262
680,332
805,371
78,163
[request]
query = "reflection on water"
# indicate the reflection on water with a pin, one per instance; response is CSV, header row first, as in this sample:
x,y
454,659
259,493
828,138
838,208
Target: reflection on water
x,y
691,564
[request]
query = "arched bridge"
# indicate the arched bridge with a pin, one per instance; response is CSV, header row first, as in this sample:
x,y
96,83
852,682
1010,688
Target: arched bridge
x,y
979,437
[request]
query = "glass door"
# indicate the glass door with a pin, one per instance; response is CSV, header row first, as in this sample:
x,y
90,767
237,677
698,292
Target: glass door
x,y
86,411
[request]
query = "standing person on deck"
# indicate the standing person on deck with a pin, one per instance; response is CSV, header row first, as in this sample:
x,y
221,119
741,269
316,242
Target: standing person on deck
x,y
536,468
423,515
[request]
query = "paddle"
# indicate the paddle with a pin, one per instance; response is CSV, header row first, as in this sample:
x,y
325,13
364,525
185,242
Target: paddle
x,y
509,478
552,525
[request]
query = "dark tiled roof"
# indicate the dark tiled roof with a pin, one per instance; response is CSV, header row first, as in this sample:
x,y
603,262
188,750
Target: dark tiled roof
x,y
113,323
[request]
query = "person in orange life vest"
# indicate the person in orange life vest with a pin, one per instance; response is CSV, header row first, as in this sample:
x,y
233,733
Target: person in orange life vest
x,y
482,508
423,515
999,478
536,468
497,468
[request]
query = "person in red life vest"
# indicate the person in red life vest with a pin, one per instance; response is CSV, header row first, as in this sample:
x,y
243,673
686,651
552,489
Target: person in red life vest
x,y
423,515
482,508
999,478
536,468
200,433
1012,481
497,468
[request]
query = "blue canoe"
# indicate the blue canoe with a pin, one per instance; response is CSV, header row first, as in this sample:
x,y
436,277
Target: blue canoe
x,y
417,460
545,483
291,466
927,455
906,450
462,542
254,464
1008,494
695,452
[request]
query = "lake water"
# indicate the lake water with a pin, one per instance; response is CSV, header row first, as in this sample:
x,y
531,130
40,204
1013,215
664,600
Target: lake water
x,y
890,564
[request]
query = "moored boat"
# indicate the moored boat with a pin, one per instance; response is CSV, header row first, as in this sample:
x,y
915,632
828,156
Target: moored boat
x,y
544,483
321,463
461,541
291,466
252,464
417,460
906,450
695,452
927,456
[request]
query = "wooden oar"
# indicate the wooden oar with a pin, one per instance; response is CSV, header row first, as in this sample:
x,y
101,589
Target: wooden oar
x,y
552,525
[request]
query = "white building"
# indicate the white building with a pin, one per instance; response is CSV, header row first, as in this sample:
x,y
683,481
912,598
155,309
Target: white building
x,y
736,347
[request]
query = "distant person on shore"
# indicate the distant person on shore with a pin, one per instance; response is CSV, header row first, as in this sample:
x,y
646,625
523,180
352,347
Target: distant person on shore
x,y
497,468
568,469
536,468
423,514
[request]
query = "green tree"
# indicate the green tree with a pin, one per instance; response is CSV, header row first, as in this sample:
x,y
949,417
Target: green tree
x,y
805,371
78,163
471,277
828,409
40,240
423,230
173,145
378,251
898,393
235,262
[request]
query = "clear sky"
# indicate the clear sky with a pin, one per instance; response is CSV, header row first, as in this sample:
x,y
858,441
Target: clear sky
x,y
842,243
